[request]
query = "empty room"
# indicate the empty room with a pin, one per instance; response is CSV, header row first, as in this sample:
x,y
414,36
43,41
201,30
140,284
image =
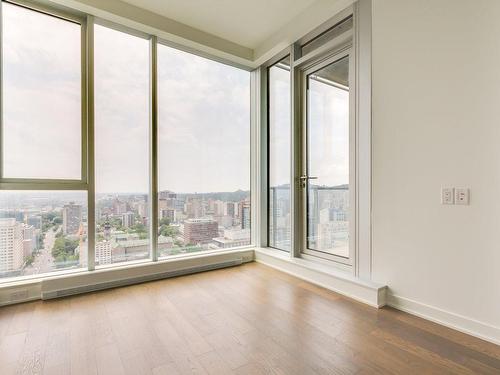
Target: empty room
x,y
247,187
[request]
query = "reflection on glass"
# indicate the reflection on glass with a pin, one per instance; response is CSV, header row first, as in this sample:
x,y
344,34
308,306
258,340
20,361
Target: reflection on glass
x,y
121,147
42,232
328,159
41,95
279,155
204,154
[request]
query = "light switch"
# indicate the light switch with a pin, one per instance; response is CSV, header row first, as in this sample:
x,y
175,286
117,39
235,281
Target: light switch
x,y
447,195
462,196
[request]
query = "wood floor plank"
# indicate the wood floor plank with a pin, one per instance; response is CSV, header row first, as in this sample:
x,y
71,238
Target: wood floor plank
x,y
249,319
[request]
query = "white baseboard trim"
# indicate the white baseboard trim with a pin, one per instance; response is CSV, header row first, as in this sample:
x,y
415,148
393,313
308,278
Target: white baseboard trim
x,y
451,320
370,293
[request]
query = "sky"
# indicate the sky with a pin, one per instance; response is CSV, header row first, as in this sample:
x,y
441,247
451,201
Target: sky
x,y
328,134
204,110
42,110
204,113
279,126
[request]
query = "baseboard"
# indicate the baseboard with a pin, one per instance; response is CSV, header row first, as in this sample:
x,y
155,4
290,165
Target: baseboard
x,y
448,319
370,293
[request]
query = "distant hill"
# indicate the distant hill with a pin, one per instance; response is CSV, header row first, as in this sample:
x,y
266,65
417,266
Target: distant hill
x,y
228,196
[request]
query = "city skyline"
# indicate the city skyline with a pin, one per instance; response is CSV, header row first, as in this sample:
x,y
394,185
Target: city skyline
x,y
46,231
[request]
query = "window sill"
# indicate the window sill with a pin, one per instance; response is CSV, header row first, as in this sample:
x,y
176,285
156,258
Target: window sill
x,y
332,277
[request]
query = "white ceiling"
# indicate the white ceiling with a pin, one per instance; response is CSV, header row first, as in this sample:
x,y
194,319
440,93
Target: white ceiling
x,y
246,32
248,23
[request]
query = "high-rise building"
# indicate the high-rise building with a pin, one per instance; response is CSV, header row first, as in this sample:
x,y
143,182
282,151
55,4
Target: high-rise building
x,y
103,254
142,209
162,204
244,214
128,219
11,245
29,239
168,213
230,209
72,217
194,208
35,221
218,208
198,231
119,207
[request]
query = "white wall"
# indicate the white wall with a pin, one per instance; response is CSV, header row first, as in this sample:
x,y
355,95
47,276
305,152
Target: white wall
x,y
436,122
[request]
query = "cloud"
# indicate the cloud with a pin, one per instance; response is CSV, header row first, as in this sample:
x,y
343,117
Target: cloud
x,y
204,124
328,133
204,110
42,96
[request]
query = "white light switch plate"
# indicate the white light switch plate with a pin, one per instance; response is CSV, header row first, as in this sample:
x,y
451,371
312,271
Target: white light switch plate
x,y
462,196
447,195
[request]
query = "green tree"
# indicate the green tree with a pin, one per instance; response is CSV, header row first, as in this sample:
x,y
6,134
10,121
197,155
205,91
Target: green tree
x,y
164,221
168,231
29,260
64,249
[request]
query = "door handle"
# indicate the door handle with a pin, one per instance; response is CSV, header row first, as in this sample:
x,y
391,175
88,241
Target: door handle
x,y
304,179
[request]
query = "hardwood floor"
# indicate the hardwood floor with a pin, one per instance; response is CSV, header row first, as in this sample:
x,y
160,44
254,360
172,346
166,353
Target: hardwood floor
x,y
249,319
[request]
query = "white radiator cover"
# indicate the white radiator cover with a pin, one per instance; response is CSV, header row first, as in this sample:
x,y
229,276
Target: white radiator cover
x,y
66,284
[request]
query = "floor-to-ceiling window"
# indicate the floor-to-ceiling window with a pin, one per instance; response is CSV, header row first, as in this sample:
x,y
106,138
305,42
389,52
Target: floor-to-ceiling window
x,y
42,227
78,141
328,197
310,137
279,167
203,154
122,123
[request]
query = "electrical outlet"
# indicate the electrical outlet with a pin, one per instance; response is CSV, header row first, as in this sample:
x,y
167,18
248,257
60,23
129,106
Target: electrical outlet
x,y
462,196
447,195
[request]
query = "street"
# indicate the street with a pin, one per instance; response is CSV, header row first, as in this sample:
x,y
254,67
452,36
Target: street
x,y
43,262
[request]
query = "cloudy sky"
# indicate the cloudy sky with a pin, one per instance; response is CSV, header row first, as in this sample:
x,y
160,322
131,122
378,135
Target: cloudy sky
x,y
279,126
204,113
42,99
204,110
328,134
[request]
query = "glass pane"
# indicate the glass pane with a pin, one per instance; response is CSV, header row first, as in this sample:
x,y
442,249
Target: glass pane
x,y
42,232
41,95
328,159
204,154
279,155
121,146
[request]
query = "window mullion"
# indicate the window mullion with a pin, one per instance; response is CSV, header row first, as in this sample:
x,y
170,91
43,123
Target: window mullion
x,y
153,149
296,209
90,143
1,91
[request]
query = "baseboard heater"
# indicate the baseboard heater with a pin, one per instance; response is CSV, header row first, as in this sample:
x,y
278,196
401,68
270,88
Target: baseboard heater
x,y
49,292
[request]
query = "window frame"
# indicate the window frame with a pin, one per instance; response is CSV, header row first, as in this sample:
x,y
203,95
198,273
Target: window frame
x,y
152,146
344,43
360,40
317,64
273,63
87,182
253,137
51,183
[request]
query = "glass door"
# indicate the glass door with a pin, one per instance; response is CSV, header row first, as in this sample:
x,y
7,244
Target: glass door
x,y
326,180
